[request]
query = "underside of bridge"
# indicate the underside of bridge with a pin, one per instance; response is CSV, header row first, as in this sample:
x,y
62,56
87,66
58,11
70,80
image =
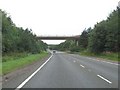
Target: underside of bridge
x,y
75,38
59,37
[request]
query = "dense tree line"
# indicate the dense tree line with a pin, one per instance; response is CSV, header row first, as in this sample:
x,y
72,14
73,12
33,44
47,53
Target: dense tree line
x,y
102,38
16,39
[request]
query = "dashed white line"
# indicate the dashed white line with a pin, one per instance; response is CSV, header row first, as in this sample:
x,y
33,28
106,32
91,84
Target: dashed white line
x,y
74,61
104,79
23,83
82,66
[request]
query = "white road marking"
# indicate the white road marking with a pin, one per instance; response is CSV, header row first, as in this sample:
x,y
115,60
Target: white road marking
x,y
23,83
74,61
88,58
110,62
104,79
82,66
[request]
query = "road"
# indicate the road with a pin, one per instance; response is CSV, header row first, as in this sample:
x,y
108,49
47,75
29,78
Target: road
x,y
73,71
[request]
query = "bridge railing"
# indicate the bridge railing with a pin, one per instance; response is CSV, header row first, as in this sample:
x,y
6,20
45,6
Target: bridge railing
x,y
58,37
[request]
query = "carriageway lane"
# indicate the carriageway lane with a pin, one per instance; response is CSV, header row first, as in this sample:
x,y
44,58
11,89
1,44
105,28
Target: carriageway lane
x,y
73,71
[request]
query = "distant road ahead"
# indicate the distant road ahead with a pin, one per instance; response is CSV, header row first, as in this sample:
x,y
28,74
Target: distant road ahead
x,y
74,71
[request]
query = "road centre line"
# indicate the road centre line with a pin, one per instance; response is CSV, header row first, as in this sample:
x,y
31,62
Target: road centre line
x,y
82,66
74,61
104,79
25,81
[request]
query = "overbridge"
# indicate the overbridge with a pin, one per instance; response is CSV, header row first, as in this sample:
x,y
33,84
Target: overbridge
x,y
59,37
75,38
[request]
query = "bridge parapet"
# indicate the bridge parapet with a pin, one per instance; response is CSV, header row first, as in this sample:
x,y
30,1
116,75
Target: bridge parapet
x,y
58,37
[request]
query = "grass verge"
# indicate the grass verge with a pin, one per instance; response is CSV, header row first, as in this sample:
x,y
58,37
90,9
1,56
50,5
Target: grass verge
x,y
108,56
14,64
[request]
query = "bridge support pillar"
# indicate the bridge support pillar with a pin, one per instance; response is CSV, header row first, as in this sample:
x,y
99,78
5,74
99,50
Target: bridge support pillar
x,y
76,42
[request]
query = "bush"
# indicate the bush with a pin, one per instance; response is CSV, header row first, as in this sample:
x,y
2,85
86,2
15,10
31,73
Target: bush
x,y
75,49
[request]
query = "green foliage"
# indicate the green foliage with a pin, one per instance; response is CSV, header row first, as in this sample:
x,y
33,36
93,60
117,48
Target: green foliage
x,y
16,39
83,41
13,56
65,46
16,63
75,49
112,32
97,38
102,38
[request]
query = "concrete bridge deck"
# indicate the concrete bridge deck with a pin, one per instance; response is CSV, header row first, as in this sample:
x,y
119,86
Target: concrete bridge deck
x,y
58,37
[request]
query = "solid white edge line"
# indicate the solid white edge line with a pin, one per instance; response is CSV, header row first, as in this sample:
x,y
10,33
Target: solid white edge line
x,y
24,82
104,79
104,61
110,62
82,66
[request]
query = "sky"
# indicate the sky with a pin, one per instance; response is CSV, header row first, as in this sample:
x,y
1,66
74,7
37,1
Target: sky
x,y
57,17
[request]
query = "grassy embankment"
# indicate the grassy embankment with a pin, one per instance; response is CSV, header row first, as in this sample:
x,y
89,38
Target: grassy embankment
x,y
16,61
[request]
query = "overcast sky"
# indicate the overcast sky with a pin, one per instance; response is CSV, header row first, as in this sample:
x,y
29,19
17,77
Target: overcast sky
x,y
57,17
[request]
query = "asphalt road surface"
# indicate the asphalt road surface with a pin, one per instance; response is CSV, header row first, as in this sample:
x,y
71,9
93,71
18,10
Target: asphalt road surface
x,y
74,71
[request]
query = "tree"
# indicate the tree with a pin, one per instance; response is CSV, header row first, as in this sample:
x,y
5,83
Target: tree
x,y
83,41
112,32
97,38
15,39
